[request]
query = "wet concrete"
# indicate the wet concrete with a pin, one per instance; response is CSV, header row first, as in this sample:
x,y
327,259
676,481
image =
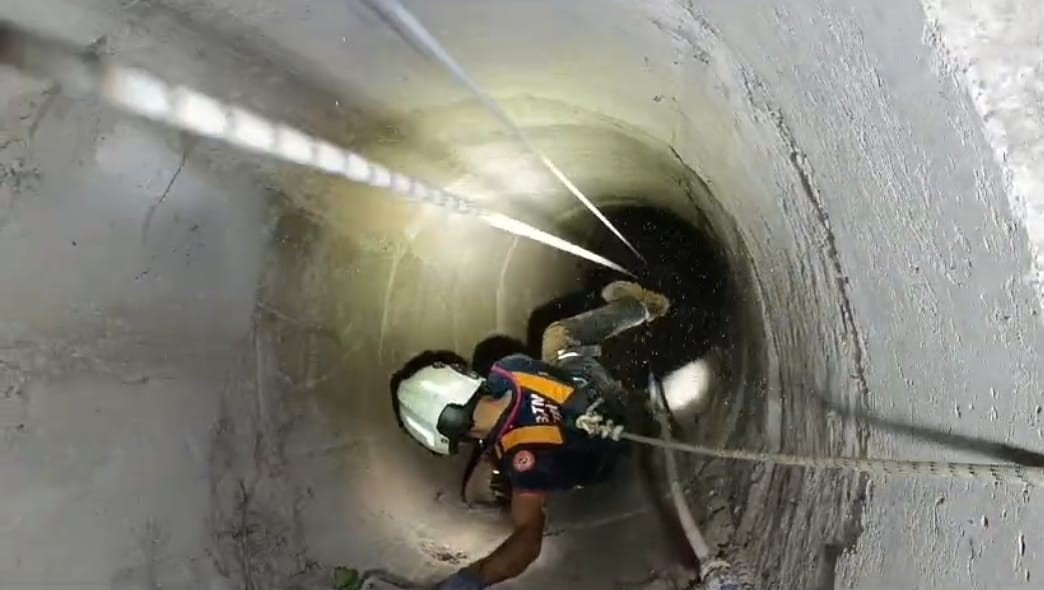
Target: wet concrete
x,y
202,400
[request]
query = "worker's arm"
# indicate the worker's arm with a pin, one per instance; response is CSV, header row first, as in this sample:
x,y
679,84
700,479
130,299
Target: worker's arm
x,y
514,555
522,548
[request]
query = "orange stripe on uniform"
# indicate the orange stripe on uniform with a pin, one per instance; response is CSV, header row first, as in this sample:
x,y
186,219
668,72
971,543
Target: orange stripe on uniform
x,y
539,435
549,388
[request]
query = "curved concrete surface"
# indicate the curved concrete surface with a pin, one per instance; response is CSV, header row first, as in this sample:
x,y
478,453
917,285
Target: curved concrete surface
x,y
200,400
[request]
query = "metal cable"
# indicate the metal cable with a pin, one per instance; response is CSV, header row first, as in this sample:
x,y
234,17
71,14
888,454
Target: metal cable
x,y
146,95
403,22
599,426
992,472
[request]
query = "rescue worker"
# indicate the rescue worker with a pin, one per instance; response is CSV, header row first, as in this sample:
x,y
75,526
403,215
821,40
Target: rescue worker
x,y
523,415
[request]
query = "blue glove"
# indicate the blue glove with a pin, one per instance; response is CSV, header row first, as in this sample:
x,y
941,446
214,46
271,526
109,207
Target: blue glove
x,y
462,580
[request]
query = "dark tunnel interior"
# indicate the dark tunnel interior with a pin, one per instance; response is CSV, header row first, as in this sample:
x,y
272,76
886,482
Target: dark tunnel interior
x,y
682,262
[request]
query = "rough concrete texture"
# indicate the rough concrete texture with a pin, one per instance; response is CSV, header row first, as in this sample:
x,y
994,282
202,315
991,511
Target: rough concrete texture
x,y
196,344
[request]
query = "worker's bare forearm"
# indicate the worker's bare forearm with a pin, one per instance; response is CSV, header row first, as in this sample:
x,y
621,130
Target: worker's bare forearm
x,y
513,556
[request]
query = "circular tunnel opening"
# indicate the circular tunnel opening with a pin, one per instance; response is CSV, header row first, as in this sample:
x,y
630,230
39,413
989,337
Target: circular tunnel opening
x,y
494,298
397,281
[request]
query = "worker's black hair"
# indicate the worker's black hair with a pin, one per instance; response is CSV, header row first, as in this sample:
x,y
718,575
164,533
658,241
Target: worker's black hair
x,y
492,349
424,359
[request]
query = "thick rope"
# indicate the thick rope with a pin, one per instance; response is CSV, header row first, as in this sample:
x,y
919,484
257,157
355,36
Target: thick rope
x,y
992,472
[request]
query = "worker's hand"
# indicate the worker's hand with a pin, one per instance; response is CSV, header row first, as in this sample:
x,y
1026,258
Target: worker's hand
x,y
462,580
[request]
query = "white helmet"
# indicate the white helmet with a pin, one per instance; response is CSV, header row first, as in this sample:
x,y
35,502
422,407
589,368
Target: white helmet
x,y
436,405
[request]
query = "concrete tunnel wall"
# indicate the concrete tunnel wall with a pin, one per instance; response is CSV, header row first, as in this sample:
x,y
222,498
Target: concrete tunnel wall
x,y
200,400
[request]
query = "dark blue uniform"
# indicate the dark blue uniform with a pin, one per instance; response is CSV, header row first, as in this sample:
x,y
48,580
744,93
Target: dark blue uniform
x,y
536,443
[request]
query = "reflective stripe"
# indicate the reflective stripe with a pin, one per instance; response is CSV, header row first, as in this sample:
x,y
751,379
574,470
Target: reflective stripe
x,y
526,435
547,388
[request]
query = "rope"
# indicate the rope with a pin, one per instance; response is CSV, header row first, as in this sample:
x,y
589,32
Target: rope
x,y
601,427
993,472
407,25
146,95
